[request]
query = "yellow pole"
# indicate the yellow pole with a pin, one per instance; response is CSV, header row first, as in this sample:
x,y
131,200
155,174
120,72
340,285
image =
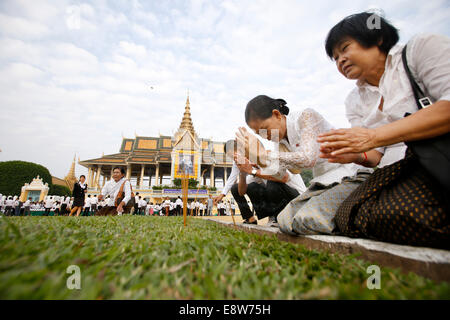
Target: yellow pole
x,y
195,199
232,216
184,186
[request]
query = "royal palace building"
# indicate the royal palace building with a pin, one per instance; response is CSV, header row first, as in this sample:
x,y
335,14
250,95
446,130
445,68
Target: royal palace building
x,y
153,163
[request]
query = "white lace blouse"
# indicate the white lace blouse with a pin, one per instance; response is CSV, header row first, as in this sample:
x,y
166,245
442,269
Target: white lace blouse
x,y
303,129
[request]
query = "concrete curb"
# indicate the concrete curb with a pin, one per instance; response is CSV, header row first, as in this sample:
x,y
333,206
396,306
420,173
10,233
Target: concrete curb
x,y
427,262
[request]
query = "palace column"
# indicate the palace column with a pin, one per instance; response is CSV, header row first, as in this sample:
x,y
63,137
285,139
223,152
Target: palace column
x,y
91,182
94,178
99,172
141,179
89,176
112,170
128,171
104,180
157,175
211,178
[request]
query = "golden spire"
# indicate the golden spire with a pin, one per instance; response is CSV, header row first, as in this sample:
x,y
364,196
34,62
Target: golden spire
x,y
71,178
72,169
186,123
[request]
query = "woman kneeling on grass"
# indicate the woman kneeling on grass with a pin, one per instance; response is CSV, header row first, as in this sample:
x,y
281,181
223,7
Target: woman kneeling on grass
x,y
296,147
406,200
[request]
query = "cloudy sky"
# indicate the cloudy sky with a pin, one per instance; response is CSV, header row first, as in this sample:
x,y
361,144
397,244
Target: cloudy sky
x,y
76,76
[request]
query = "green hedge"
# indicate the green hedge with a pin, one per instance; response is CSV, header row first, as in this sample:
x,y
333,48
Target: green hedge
x,y
57,190
14,174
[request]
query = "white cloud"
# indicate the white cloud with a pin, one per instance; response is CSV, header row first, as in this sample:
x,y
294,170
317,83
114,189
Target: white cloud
x,y
64,91
21,28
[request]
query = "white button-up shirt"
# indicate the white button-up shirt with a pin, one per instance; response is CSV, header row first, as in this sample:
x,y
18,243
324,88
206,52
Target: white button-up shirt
x,y
112,188
67,201
428,58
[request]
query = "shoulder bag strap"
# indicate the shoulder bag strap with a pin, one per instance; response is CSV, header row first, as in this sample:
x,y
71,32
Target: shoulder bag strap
x,y
418,93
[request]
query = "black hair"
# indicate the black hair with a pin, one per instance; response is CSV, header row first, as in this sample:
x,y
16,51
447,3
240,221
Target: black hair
x,y
261,107
229,144
83,176
359,27
122,170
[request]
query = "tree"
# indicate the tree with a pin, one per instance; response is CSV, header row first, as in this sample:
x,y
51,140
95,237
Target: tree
x,y
14,174
57,190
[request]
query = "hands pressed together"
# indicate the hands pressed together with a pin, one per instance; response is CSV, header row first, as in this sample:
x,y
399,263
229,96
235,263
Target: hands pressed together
x,y
251,148
346,145
338,146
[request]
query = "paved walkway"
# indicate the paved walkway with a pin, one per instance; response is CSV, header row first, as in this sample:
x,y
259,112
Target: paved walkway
x,y
427,262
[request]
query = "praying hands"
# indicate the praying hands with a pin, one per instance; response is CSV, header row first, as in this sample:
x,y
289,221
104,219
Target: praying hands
x,y
250,147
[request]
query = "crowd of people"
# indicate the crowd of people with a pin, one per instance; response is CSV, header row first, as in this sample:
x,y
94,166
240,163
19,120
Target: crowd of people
x,y
59,205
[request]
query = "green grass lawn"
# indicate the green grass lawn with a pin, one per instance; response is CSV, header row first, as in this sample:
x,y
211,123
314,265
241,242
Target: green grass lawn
x,y
138,257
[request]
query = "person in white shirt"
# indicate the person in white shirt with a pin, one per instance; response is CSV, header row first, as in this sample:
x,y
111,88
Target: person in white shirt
x,y
64,206
295,140
48,205
2,204
166,206
87,206
149,209
17,206
9,206
378,109
94,203
142,206
56,208
26,207
220,209
179,204
112,188
136,203
270,194
109,202
196,208
156,209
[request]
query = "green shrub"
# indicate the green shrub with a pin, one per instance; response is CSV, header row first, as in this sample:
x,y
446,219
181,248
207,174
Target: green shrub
x,y
14,174
193,183
57,190
177,182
